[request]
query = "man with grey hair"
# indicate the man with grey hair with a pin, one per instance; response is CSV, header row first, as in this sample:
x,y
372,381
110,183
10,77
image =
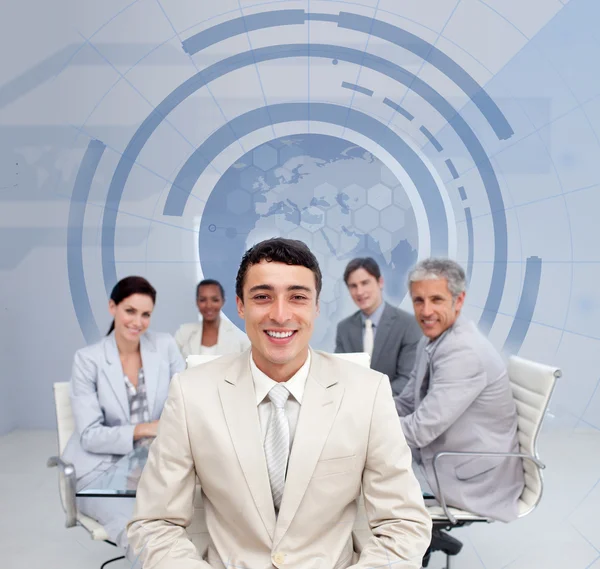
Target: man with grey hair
x,y
459,399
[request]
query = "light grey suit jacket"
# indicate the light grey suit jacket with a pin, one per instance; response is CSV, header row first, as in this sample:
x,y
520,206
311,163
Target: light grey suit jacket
x,y
396,340
469,407
347,437
99,397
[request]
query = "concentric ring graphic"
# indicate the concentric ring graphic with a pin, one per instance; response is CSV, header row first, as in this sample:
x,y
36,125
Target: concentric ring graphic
x,y
391,137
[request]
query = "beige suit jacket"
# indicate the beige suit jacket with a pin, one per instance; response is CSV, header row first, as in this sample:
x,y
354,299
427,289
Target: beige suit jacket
x,y
348,436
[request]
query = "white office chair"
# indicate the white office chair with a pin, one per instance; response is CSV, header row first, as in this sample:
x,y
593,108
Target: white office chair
x,y
67,477
532,386
193,360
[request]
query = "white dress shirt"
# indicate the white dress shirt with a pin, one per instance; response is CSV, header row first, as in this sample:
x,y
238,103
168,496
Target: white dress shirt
x,y
295,385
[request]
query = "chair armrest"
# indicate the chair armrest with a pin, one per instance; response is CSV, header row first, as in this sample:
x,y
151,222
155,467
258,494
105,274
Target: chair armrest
x,y
439,455
68,472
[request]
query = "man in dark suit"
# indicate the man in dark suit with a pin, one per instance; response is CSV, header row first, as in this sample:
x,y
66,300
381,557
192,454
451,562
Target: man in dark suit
x,y
388,334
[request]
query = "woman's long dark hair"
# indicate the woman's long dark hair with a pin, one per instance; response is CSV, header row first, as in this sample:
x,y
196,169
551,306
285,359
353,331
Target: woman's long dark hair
x,y
128,286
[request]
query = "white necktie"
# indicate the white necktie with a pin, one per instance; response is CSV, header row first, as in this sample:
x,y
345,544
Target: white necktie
x,y
277,442
368,338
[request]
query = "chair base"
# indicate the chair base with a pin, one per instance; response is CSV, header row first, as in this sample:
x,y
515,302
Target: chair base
x,y
111,560
115,558
441,541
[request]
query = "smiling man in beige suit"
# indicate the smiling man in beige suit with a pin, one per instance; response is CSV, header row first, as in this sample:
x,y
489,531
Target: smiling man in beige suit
x,y
282,439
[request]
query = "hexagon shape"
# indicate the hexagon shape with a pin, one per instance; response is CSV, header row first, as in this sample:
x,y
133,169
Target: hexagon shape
x,y
264,157
335,268
366,218
284,176
388,177
379,196
349,241
289,150
325,195
327,295
392,218
325,242
336,218
354,196
260,197
238,202
301,234
401,197
313,218
383,238
250,178
284,222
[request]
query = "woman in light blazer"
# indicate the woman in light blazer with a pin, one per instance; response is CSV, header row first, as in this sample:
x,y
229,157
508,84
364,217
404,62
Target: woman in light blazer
x,y
213,335
118,389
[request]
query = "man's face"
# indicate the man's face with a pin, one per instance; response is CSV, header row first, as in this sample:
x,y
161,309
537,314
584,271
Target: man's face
x,y
280,307
435,309
365,290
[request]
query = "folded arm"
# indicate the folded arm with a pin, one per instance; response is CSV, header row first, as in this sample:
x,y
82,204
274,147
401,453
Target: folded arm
x,y
95,436
457,379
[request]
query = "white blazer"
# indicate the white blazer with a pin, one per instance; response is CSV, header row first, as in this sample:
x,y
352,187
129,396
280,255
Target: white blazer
x,y
230,340
99,397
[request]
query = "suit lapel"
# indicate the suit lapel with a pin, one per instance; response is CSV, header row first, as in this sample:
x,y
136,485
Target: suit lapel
x,y
382,334
320,404
151,365
239,406
355,333
114,373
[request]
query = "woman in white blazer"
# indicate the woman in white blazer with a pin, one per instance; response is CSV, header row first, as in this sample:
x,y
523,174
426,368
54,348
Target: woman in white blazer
x,y
118,389
213,335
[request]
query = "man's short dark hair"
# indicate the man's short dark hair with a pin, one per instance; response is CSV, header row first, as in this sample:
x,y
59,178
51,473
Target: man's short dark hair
x,y
208,282
367,263
278,250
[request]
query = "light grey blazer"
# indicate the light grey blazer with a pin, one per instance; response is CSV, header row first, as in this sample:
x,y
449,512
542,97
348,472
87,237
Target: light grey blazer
x,y
99,397
396,340
469,407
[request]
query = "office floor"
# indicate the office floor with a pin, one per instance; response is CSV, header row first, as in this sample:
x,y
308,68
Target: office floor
x,y
563,533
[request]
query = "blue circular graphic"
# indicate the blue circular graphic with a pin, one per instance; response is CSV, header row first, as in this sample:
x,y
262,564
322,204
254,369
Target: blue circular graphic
x,y
337,197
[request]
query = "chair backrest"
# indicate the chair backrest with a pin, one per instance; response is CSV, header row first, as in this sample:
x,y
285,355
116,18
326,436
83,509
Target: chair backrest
x,y
65,426
192,361
64,415
532,385
360,358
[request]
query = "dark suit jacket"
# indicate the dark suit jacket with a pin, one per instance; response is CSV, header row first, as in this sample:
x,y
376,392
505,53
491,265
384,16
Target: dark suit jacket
x,y
396,339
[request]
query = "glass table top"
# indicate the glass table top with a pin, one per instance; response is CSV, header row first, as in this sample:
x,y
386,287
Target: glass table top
x,y
120,479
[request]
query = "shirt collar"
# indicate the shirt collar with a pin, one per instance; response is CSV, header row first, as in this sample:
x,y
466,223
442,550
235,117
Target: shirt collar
x,y
295,385
375,317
